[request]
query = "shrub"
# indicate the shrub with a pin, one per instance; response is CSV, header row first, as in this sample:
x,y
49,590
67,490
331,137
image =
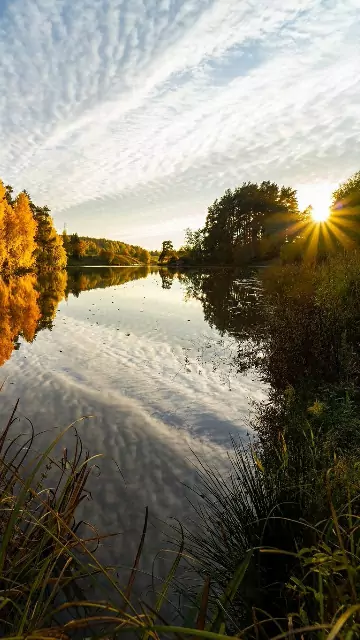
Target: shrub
x,y
313,323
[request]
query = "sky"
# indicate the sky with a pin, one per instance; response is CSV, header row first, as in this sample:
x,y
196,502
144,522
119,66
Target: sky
x,y
129,117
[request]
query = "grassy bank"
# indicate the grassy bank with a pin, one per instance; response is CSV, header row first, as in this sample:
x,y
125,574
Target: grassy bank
x,y
276,553
290,510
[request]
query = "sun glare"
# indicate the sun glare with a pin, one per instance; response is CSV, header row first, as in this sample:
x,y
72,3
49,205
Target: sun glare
x,y
324,227
318,196
320,213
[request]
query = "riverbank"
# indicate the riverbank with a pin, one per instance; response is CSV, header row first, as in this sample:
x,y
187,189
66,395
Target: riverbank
x,y
276,547
98,261
293,499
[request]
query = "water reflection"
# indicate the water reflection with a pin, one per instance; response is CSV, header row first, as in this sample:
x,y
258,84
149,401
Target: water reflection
x,y
19,313
98,278
232,300
28,304
52,289
117,353
167,278
233,303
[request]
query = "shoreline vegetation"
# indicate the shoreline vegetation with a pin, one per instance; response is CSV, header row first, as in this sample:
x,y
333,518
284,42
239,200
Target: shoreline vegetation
x,y
85,251
262,223
29,241
276,551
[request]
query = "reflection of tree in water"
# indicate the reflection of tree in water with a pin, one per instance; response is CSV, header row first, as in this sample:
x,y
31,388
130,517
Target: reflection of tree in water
x,y
19,313
27,305
278,325
167,278
233,304
51,287
85,279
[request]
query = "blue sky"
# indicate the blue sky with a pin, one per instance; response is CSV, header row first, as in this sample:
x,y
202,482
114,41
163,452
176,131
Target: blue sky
x,y
129,117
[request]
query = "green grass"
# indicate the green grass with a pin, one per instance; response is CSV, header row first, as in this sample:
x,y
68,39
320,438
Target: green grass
x,y
280,543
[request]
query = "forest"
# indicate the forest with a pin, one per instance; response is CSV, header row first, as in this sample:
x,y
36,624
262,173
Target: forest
x,y
100,251
256,223
252,223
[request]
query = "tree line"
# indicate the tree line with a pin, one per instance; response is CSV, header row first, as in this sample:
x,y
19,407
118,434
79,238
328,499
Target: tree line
x,y
259,222
110,252
30,242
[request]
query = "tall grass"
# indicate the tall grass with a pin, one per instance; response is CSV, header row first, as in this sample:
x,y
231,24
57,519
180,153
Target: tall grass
x,y
44,561
281,551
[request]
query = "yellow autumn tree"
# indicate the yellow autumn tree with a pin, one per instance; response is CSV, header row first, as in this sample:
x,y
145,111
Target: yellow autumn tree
x,y
20,229
50,254
4,213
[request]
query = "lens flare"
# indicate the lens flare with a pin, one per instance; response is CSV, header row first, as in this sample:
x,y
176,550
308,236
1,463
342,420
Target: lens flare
x,y
320,214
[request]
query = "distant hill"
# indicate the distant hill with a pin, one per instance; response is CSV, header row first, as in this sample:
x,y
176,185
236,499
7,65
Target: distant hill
x,y
96,251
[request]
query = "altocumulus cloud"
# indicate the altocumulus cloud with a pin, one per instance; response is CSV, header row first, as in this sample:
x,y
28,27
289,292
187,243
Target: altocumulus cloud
x,y
130,116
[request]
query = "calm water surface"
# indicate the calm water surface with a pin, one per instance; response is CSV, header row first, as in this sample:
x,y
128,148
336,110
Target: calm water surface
x,y
132,349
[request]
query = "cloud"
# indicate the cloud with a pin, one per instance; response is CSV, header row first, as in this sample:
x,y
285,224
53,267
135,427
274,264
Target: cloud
x,y
147,110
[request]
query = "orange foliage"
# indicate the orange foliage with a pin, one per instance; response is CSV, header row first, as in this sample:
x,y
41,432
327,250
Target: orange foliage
x,y
22,233
19,313
17,233
6,342
4,215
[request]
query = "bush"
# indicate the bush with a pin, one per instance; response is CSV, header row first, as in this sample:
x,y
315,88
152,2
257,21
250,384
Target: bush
x,y
313,324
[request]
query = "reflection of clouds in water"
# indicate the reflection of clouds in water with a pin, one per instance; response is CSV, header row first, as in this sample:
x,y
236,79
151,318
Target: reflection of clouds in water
x,y
149,412
150,371
152,456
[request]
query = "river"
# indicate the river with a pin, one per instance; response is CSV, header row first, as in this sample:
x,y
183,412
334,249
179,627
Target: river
x,y
150,355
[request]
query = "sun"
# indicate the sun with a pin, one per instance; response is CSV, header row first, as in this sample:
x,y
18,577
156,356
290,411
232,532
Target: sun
x,y
320,213
323,227
319,196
